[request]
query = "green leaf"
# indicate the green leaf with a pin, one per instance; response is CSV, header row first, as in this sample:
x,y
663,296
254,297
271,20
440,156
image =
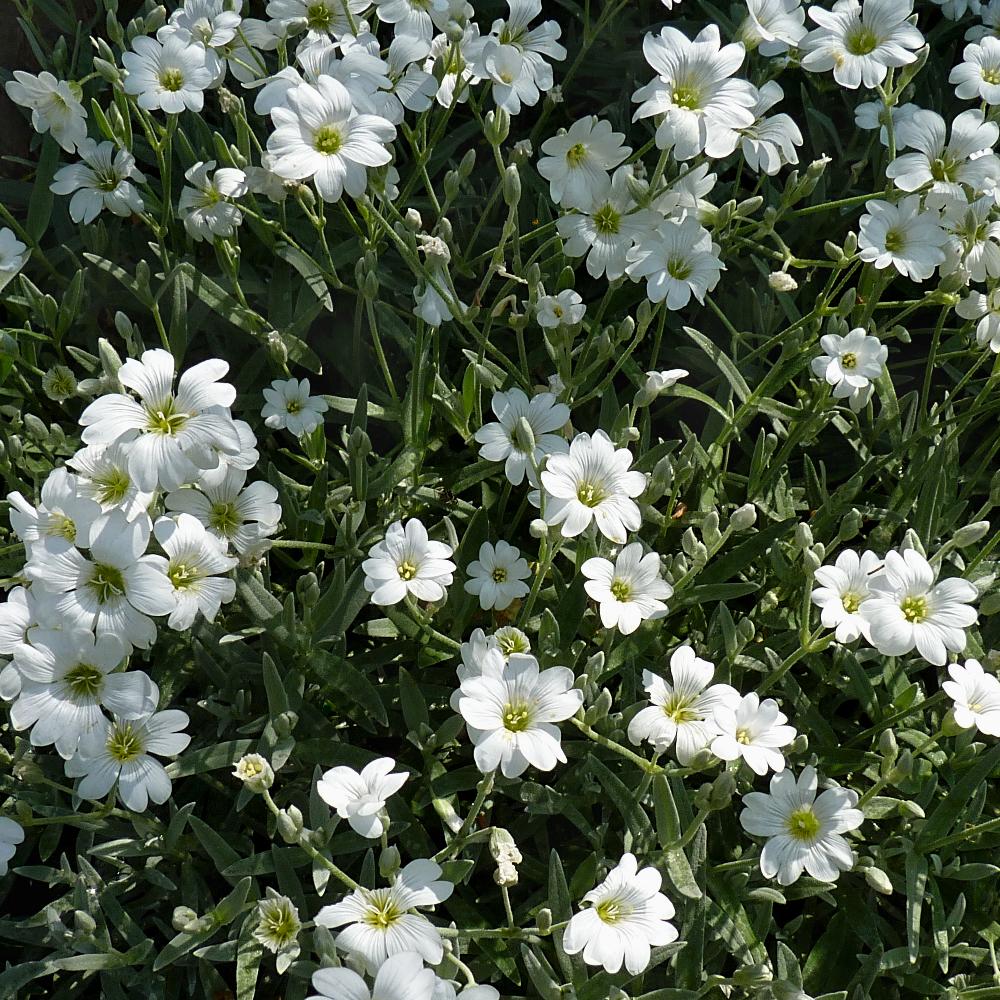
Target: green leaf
x,y
40,204
947,813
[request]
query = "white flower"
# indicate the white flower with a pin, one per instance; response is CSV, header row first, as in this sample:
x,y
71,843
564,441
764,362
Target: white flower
x,y
874,115
628,591
102,181
769,143
701,106
288,404
205,21
322,19
681,713
171,436
978,75
753,730
203,205
413,19
17,615
976,695
773,26
114,590
67,678
850,365
360,797
902,235
13,256
678,259
956,9
382,922
319,135
513,83
972,237
510,640
497,576
407,562
907,609
170,76
986,309
255,772
103,476
55,106
843,588
659,382
63,518
577,162
564,309
278,927
121,751
515,35
627,917
445,989
860,42
195,560
237,516
804,832
402,976
507,439
967,158
593,483
510,714
430,305
609,228
11,834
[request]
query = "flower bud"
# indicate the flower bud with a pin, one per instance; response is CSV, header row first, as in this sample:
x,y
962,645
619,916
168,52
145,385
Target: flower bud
x,y
229,103
84,924
467,164
512,186
753,975
389,861
285,723
307,590
599,710
543,920
971,533
878,880
911,540
723,789
255,772
743,517
803,535
910,809
903,768
811,560
887,745
291,825
524,435
183,918
497,126
538,528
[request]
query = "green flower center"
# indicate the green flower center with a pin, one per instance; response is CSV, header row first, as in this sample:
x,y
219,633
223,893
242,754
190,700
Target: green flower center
x,y
620,590
293,406
991,75
280,924
576,154
107,583
516,717
512,641
607,220
861,40
383,911
679,708
611,910
327,140
943,169
406,570
225,518
915,609
803,824
165,418
124,744
679,268
318,16
499,575
894,241
851,602
84,681
849,360
172,80
112,486
182,576
686,96
63,527
590,494
743,736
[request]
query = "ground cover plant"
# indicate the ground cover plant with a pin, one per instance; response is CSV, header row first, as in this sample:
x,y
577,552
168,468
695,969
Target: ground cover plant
x,y
499,500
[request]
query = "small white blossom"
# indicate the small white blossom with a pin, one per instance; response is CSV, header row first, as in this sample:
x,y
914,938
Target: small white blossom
x,y
978,75
11,834
103,476
102,181
902,235
678,259
320,19
55,106
255,772
874,115
497,576
773,26
278,927
168,76
360,798
13,256
972,237
769,143
203,203
753,730
63,519
564,309
287,404
976,695
629,590
986,309
850,365
407,562
401,976
843,588
577,162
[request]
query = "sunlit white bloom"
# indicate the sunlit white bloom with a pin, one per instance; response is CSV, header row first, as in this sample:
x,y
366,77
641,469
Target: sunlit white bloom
x,y
678,259
700,104
17,615
986,309
497,576
460,63
507,439
381,923
170,75
278,927
976,695
978,75
402,976
407,562
13,256
102,181
120,751
429,303
681,713
533,44
63,518
360,798
629,590
511,713
214,23
843,588
11,834
237,516
627,917
203,203
902,235
55,106
445,989
907,609
287,404
320,136
972,237
658,383
593,482
67,678
171,436
414,19
576,162
255,772
320,19
873,115
859,42
564,309
769,143
947,164
753,730
804,833
850,365
194,566
956,9
115,590
103,476
773,26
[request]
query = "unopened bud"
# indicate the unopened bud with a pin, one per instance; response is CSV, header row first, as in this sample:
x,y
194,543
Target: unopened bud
x,y
878,880
803,535
753,975
389,861
229,103
497,126
413,220
524,436
543,921
307,590
971,533
887,745
183,918
538,528
723,789
290,825
743,517
512,186
84,924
